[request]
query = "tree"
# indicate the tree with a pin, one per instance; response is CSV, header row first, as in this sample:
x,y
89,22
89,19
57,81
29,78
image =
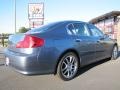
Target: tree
x,y
23,30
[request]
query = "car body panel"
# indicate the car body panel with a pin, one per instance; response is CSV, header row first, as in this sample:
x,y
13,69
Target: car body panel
x,y
44,59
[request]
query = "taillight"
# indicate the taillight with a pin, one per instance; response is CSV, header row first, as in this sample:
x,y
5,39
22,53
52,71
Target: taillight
x,y
30,42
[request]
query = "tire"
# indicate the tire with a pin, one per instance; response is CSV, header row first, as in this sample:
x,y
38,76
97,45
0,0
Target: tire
x,y
114,55
68,66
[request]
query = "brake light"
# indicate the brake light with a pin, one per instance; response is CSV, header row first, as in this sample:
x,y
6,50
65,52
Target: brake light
x,y
30,42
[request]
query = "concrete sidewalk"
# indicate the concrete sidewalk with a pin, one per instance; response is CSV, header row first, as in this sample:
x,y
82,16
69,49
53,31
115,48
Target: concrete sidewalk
x,y
2,57
1,49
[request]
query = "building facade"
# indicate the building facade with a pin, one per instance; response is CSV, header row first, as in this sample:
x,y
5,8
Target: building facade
x,y
109,23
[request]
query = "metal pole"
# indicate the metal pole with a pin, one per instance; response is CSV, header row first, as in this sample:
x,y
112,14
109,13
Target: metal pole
x,y
15,13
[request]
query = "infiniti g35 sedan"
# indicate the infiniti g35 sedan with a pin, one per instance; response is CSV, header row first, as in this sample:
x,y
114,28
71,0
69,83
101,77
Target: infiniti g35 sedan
x,y
59,48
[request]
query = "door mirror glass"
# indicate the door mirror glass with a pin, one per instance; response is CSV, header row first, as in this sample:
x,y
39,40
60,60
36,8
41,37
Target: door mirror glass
x,y
106,36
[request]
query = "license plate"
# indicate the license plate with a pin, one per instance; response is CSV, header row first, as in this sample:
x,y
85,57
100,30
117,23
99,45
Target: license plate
x,y
7,61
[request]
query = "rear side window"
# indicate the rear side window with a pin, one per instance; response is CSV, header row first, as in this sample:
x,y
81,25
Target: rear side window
x,y
70,29
78,29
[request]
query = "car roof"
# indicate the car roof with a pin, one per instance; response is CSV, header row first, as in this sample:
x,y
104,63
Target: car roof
x,y
68,21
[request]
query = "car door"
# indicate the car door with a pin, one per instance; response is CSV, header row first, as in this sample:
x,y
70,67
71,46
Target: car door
x,y
100,42
84,43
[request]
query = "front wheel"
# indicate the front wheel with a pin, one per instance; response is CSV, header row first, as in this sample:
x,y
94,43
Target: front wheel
x,y
114,53
68,66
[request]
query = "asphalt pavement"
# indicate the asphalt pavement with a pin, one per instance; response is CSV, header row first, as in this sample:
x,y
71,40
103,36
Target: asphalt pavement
x,y
104,75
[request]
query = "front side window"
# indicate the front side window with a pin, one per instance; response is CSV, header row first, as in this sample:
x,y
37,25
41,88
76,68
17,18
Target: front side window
x,y
81,29
95,31
78,29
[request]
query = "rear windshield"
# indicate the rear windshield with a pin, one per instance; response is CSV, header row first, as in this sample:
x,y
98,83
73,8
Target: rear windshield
x,y
43,28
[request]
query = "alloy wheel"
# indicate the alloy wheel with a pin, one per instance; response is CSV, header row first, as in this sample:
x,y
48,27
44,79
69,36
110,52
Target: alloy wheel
x,y
115,53
68,66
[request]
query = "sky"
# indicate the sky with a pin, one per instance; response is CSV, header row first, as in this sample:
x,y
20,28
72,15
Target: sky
x,y
54,10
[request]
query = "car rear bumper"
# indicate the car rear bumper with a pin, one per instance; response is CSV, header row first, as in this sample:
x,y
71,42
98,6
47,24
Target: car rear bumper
x,y
26,63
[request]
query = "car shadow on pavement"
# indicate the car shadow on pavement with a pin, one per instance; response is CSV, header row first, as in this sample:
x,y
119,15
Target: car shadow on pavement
x,y
2,64
88,67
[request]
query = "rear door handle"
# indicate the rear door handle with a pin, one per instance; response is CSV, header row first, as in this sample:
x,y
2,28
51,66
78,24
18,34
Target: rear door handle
x,y
78,40
98,41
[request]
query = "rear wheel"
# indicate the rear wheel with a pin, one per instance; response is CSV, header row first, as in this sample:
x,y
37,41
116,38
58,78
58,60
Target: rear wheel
x,y
68,66
114,53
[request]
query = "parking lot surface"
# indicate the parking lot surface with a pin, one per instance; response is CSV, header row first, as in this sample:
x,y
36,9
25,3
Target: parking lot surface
x,y
104,75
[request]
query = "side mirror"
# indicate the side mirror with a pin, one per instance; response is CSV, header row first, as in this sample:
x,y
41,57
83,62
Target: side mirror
x,y
106,36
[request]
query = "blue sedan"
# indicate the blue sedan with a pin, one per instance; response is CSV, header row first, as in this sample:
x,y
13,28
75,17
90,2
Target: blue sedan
x,y
59,48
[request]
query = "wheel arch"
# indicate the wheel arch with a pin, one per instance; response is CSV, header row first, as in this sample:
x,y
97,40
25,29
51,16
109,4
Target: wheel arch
x,y
116,44
66,51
